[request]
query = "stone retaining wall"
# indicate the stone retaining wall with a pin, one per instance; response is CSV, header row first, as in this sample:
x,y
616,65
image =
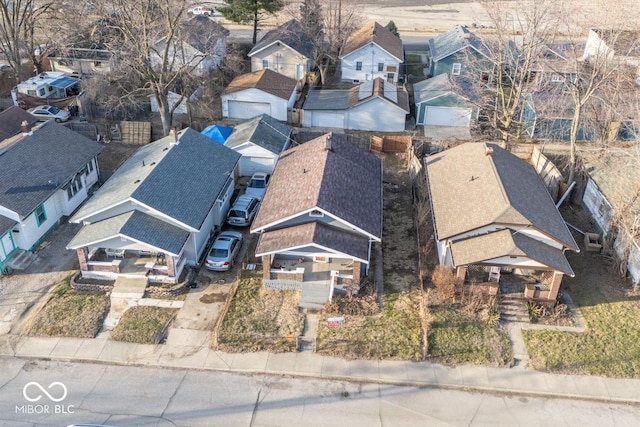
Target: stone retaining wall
x,y
88,287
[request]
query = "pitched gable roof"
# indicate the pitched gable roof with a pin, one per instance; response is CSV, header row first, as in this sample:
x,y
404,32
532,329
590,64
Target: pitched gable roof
x,y
11,121
344,181
470,189
452,41
39,164
266,80
342,99
264,131
374,33
435,87
291,34
180,180
202,33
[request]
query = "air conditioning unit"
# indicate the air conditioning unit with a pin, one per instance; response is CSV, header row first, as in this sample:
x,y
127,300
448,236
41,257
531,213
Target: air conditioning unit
x,y
355,81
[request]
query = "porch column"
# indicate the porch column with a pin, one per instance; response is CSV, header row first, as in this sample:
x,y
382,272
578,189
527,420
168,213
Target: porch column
x,y
357,268
554,286
171,266
461,273
83,258
266,267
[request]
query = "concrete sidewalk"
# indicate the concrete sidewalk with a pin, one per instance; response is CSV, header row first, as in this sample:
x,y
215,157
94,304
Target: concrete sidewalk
x,y
419,374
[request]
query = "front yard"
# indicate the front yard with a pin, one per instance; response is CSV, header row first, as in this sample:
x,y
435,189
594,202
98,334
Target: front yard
x,y
611,344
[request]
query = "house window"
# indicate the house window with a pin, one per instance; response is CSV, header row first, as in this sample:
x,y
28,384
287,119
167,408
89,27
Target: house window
x,y
41,91
97,64
90,167
455,69
265,63
316,213
41,215
31,92
557,78
359,66
380,66
74,186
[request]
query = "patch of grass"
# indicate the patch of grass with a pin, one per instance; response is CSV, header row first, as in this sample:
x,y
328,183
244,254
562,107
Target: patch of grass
x,y
414,65
259,319
143,325
456,337
70,313
393,334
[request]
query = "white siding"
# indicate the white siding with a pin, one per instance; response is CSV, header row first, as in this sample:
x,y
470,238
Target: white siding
x,y
252,164
6,246
174,98
278,105
446,116
370,56
597,205
323,118
282,59
376,115
527,231
29,231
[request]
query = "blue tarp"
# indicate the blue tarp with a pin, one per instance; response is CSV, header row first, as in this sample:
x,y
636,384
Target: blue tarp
x,y
217,133
64,82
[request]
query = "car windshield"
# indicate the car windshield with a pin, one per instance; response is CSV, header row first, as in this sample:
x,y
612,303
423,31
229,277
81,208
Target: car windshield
x,y
54,110
256,183
219,253
235,213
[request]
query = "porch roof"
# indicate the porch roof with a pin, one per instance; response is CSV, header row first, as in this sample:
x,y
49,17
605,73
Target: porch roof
x,y
314,233
6,224
136,226
506,243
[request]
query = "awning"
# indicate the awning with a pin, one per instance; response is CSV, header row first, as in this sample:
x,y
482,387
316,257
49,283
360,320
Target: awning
x,y
64,82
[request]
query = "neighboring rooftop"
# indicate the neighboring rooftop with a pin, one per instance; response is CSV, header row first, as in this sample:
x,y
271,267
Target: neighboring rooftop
x,y
266,80
290,33
11,121
623,42
203,33
374,33
453,41
264,131
341,99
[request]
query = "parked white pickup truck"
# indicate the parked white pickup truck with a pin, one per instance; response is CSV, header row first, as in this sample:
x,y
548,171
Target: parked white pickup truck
x,y
258,185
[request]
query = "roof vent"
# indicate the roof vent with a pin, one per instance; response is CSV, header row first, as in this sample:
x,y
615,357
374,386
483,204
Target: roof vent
x,y
26,128
173,136
488,151
143,163
327,143
136,181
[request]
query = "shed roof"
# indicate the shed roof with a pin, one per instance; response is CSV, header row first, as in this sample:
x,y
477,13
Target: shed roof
x,y
264,131
265,80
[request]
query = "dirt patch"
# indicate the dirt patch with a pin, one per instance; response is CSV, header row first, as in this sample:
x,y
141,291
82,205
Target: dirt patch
x,y
399,232
211,298
113,155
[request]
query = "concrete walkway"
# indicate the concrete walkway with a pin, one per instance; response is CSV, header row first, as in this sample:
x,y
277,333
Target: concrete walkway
x,y
305,364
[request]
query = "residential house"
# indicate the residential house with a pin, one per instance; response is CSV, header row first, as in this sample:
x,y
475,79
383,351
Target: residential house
x,y
372,51
44,175
319,218
549,114
260,141
438,103
13,122
461,54
614,46
260,92
173,99
611,197
155,214
200,46
375,105
286,49
555,66
492,213
82,62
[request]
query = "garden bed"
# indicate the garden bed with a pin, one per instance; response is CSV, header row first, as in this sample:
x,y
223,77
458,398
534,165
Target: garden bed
x,y
144,325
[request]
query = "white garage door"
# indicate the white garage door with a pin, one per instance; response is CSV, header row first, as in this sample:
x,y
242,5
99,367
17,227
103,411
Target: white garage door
x,y
248,110
250,165
440,116
327,119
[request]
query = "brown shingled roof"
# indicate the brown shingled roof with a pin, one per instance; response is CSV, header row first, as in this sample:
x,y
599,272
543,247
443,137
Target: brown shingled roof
x,y
344,181
266,80
376,33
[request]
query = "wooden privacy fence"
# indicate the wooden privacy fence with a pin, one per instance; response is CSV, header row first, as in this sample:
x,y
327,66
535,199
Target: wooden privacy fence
x,y
136,133
390,144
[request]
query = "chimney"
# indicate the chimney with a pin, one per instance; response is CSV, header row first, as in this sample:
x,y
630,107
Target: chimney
x,y
26,128
173,136
488,151
327,143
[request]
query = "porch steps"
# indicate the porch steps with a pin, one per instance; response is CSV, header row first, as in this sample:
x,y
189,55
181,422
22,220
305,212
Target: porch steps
x,y
513,309
21,260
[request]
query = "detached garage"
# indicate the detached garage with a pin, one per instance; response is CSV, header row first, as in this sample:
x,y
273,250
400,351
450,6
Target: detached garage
x,y
437,104
261,92
259,141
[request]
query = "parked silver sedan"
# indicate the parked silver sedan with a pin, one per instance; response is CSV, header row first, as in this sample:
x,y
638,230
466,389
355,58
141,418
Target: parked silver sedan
x,y
224,251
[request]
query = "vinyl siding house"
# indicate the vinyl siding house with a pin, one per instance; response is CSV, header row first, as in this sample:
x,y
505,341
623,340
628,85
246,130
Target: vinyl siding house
x,y
83,62
154,216
375,105
439,104
319,218
260,92
259,141
371,52
286,50
492,213
45,174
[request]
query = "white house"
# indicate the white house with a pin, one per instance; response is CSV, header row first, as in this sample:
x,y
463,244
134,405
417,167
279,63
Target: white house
x,y
44,176
163,202
260,92
375,105
260,141
174,98
80,61
286,50
372,51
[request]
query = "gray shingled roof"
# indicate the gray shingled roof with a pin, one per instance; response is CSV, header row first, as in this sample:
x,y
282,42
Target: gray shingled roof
x,y
137,226
11,121
203,33
181,180
374,33
36,167
454,40
264,131
6,224
505,243
345,181
290,33
470,190
614,176
343,99
312,233
328,99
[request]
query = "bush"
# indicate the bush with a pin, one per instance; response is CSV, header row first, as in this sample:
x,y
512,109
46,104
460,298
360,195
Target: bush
x,y
352,306
444,281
